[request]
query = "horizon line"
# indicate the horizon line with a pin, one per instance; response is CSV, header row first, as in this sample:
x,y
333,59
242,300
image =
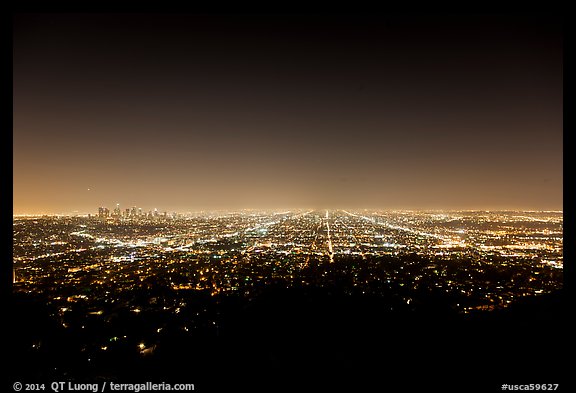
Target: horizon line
x,y
287,210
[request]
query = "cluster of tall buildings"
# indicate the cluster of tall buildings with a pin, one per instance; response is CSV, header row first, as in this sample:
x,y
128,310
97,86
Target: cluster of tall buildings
x,y
133,213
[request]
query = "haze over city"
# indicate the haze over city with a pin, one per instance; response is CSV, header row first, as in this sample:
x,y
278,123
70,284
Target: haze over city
x,y
201,112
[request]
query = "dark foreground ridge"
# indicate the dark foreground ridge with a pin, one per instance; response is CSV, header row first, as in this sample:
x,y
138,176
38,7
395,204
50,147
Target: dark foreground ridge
x,y
299,339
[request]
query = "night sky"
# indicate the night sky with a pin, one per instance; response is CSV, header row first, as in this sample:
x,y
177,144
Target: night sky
x,y
200,112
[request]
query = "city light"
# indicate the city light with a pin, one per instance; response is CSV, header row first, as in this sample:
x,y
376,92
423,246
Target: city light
x,y
492,258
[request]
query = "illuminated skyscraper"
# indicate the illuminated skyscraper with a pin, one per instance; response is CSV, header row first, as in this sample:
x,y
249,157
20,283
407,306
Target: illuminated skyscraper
x,y
103,212
117,212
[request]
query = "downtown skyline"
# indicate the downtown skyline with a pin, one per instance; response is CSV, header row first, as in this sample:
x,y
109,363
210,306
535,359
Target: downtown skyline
x,y
195,112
